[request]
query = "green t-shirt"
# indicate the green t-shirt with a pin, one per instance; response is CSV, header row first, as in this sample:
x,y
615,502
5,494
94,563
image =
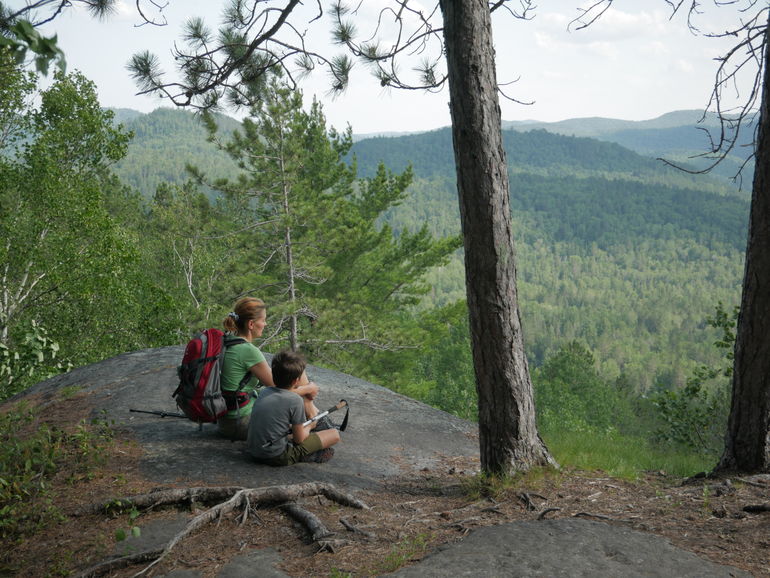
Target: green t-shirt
x,y
239,359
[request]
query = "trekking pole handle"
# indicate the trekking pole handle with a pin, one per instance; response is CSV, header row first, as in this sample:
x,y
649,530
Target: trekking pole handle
x,y
342,403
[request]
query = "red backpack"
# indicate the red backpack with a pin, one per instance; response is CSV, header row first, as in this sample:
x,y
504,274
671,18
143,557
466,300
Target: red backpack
x,y
199,394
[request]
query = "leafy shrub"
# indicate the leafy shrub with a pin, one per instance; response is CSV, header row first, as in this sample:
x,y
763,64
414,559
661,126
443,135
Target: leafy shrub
x,y
571,396
31,357
31,454
695,416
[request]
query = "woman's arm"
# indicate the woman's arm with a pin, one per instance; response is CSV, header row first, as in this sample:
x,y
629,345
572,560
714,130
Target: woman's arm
x,y
263,373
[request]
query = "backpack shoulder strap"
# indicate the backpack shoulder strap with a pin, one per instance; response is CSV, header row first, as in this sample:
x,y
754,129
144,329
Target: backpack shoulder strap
x,y
231,340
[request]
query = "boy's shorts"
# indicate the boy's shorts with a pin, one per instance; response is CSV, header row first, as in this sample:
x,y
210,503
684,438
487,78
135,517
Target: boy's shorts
x,y
295,452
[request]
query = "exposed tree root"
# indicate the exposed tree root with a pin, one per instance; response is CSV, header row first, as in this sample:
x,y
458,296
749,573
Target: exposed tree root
x,y
308,519
167,497
331,546
525,499
547,511
755,509
235,499
118,563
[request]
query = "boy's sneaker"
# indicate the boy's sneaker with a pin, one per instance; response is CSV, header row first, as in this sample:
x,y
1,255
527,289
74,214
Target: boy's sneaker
x,y
319,457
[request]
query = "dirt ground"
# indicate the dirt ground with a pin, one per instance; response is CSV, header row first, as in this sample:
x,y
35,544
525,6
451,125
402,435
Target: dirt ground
x,y
408,519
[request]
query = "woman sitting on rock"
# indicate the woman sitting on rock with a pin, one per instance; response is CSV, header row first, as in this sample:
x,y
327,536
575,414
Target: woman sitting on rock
x,y
245,364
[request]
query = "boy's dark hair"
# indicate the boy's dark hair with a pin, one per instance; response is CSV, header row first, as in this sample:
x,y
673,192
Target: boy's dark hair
x,y
287,367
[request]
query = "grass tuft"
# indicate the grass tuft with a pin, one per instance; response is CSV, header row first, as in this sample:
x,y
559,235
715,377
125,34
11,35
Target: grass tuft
x,y
621,456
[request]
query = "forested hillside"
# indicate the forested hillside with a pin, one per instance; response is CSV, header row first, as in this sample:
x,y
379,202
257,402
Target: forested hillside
x,y
165,141
618,250
536,151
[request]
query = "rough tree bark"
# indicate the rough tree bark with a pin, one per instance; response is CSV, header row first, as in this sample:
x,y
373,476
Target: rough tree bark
x,y
747,444
509,439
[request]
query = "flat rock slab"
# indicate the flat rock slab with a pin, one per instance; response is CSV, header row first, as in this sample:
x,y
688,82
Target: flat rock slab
x,y
388,434
568,548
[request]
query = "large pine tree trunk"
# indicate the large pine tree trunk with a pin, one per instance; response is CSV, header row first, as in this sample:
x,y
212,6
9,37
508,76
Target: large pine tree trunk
x,y
508,434
747,445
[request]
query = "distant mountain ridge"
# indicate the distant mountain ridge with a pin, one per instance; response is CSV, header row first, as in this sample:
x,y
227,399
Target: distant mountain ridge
x,y
683,137
597,126
167,140
536,150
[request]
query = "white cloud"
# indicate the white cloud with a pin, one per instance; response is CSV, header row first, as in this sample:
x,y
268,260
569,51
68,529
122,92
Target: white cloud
x,y
124,10
657,49
546,41
682,65
604,50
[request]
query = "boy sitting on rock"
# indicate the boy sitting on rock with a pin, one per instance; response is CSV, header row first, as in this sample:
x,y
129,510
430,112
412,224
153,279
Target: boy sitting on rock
x,y
279,410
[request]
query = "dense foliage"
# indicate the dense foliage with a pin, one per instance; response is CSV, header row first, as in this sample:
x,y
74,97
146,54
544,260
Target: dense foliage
x,y
629,267
70,272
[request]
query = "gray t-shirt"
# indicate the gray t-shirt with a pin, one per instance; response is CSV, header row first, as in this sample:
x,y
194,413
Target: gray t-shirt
x,y
272,416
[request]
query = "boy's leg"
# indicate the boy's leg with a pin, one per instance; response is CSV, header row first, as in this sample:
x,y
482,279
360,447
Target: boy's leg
x,y
329,437
323,440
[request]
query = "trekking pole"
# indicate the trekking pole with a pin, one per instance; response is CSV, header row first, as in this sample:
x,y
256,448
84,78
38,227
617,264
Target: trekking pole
x,y
340,404
160,413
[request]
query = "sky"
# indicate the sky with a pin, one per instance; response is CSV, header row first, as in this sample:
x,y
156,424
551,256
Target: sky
x,y
635,63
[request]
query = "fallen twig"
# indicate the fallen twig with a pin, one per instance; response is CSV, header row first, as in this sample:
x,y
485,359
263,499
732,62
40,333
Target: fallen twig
x,y
352,528
118,563
753,483
590,515
461,523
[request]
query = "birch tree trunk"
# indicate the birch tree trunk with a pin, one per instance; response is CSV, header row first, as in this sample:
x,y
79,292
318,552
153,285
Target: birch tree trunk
x,y
508,434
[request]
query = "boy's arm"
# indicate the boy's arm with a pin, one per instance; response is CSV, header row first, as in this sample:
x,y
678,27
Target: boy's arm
x,y
306,388
300,432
